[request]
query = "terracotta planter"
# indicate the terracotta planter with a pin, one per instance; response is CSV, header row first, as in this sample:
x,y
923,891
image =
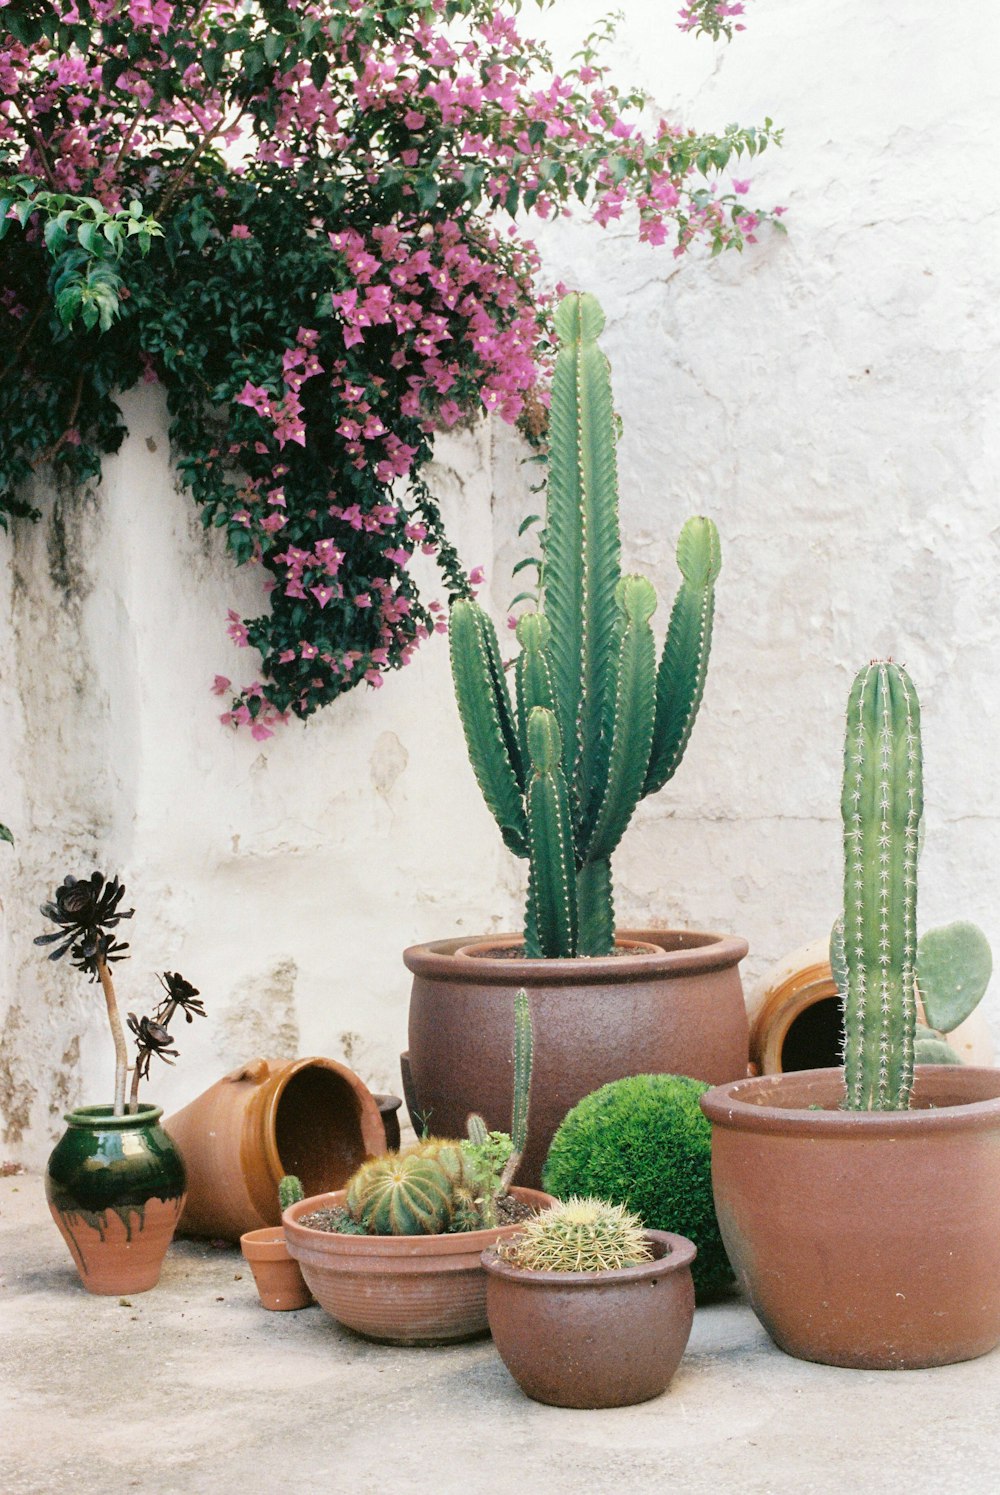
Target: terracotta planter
x,y
868,1239
388,1109
310,1117
277,1275
403,1289
594,1339
676,1010
115,1187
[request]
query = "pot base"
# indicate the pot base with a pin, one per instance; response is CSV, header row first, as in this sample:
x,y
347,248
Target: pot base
x,y
121,1250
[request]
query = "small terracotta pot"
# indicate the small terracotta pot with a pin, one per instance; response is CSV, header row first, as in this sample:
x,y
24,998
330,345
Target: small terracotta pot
x,y
115,1187
277,1275
388,1107
594,1339
864,1238
675,1009
311,1117
399,1289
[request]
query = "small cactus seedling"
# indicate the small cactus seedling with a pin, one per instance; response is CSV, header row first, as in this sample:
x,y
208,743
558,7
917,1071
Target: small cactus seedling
x,y
595,725
290,1191
579,1235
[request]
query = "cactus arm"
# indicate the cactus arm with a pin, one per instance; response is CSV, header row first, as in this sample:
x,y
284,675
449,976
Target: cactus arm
x,y
532,949
524,1057
632,725
550,835
533,676
582,522
595,909
882,803
680,682
484,707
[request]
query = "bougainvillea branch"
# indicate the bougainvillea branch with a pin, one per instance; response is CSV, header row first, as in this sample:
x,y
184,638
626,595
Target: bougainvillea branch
x,y
299,219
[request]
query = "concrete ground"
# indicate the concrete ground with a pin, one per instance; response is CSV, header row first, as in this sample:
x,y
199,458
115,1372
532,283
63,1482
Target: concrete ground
x,y
194,1388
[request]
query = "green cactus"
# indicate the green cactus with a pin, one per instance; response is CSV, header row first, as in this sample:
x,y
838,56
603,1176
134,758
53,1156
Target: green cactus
x,y
579,1235
290,1191
403,1194
594,725
881,804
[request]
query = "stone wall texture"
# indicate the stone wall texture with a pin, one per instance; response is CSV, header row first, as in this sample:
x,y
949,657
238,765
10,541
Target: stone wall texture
x,y
830,398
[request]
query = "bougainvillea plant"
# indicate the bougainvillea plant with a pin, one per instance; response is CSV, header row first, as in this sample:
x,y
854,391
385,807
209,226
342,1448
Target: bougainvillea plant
x,y
86,913
299,219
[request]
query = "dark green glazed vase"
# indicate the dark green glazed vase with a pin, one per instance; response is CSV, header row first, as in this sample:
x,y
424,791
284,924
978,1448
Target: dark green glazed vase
x,y
115,1186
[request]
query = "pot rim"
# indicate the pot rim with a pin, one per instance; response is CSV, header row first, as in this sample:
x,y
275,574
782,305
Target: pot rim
x,y
102,1118
682,952
266,1244
732,1105
369,1119
456,1243
678,1253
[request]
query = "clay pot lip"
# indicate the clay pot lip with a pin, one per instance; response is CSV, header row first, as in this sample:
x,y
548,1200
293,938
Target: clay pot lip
x,y
102,1118
266,1244
681,952
460,1243
970,1101
676,1253
369,1120
386,1102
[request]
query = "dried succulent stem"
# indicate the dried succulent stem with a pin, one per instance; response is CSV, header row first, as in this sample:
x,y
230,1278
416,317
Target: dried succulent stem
x,y
118,1038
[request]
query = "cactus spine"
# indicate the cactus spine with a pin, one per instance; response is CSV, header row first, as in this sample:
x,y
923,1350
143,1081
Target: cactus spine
x,y
594,725
579,1235
882,803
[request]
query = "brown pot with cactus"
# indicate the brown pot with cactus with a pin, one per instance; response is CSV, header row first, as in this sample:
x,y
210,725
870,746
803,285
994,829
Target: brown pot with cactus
x,y
396,1255
861,1207
592,726
587,1309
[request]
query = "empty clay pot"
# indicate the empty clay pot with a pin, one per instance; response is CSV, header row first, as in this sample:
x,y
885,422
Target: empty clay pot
x,y
277,1275
594,1339
311,1117
399,1289
864,1238
675,1008
388,1109
115,1187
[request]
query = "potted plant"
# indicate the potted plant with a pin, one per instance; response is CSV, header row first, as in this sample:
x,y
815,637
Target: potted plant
x,y
396,1255
115,1181
593,727
587,1309
861,1207
277,1275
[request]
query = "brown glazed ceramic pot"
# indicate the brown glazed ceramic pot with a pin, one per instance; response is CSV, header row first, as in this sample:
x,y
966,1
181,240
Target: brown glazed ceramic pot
x,y
277,1275
866,1239
388,1109
311,1117
677,1009
399,1289
594,1339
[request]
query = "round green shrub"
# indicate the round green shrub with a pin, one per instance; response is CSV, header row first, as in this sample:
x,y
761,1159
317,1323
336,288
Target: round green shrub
x,y
643,1142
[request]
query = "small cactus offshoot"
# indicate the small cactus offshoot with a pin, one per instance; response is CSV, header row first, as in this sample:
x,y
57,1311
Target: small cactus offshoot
x,y
579,1235
290,1191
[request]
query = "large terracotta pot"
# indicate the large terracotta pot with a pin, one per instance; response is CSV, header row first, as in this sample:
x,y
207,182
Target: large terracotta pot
x,y
115,1187
398,1289
867,1239
310,1117
676,1009
594,1339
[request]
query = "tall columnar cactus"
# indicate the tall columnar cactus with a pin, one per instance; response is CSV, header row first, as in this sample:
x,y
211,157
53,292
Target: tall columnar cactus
x,y
594,725
882,803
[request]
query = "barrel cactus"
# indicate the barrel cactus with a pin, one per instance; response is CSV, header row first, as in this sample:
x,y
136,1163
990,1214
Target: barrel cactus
x,y
406,1193
594,725
579,1235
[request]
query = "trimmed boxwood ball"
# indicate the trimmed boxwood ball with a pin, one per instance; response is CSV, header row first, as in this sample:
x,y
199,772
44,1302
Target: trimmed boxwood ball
x,y
643,1142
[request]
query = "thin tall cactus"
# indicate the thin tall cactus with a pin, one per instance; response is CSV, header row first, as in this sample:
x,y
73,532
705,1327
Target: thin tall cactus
x,y
594,725
882,803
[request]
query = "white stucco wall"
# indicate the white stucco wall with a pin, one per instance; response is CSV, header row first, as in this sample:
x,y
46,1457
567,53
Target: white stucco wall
x,y
829,398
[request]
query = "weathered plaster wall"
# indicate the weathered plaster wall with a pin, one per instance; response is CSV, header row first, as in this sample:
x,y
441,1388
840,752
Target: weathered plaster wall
x,y
830,399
